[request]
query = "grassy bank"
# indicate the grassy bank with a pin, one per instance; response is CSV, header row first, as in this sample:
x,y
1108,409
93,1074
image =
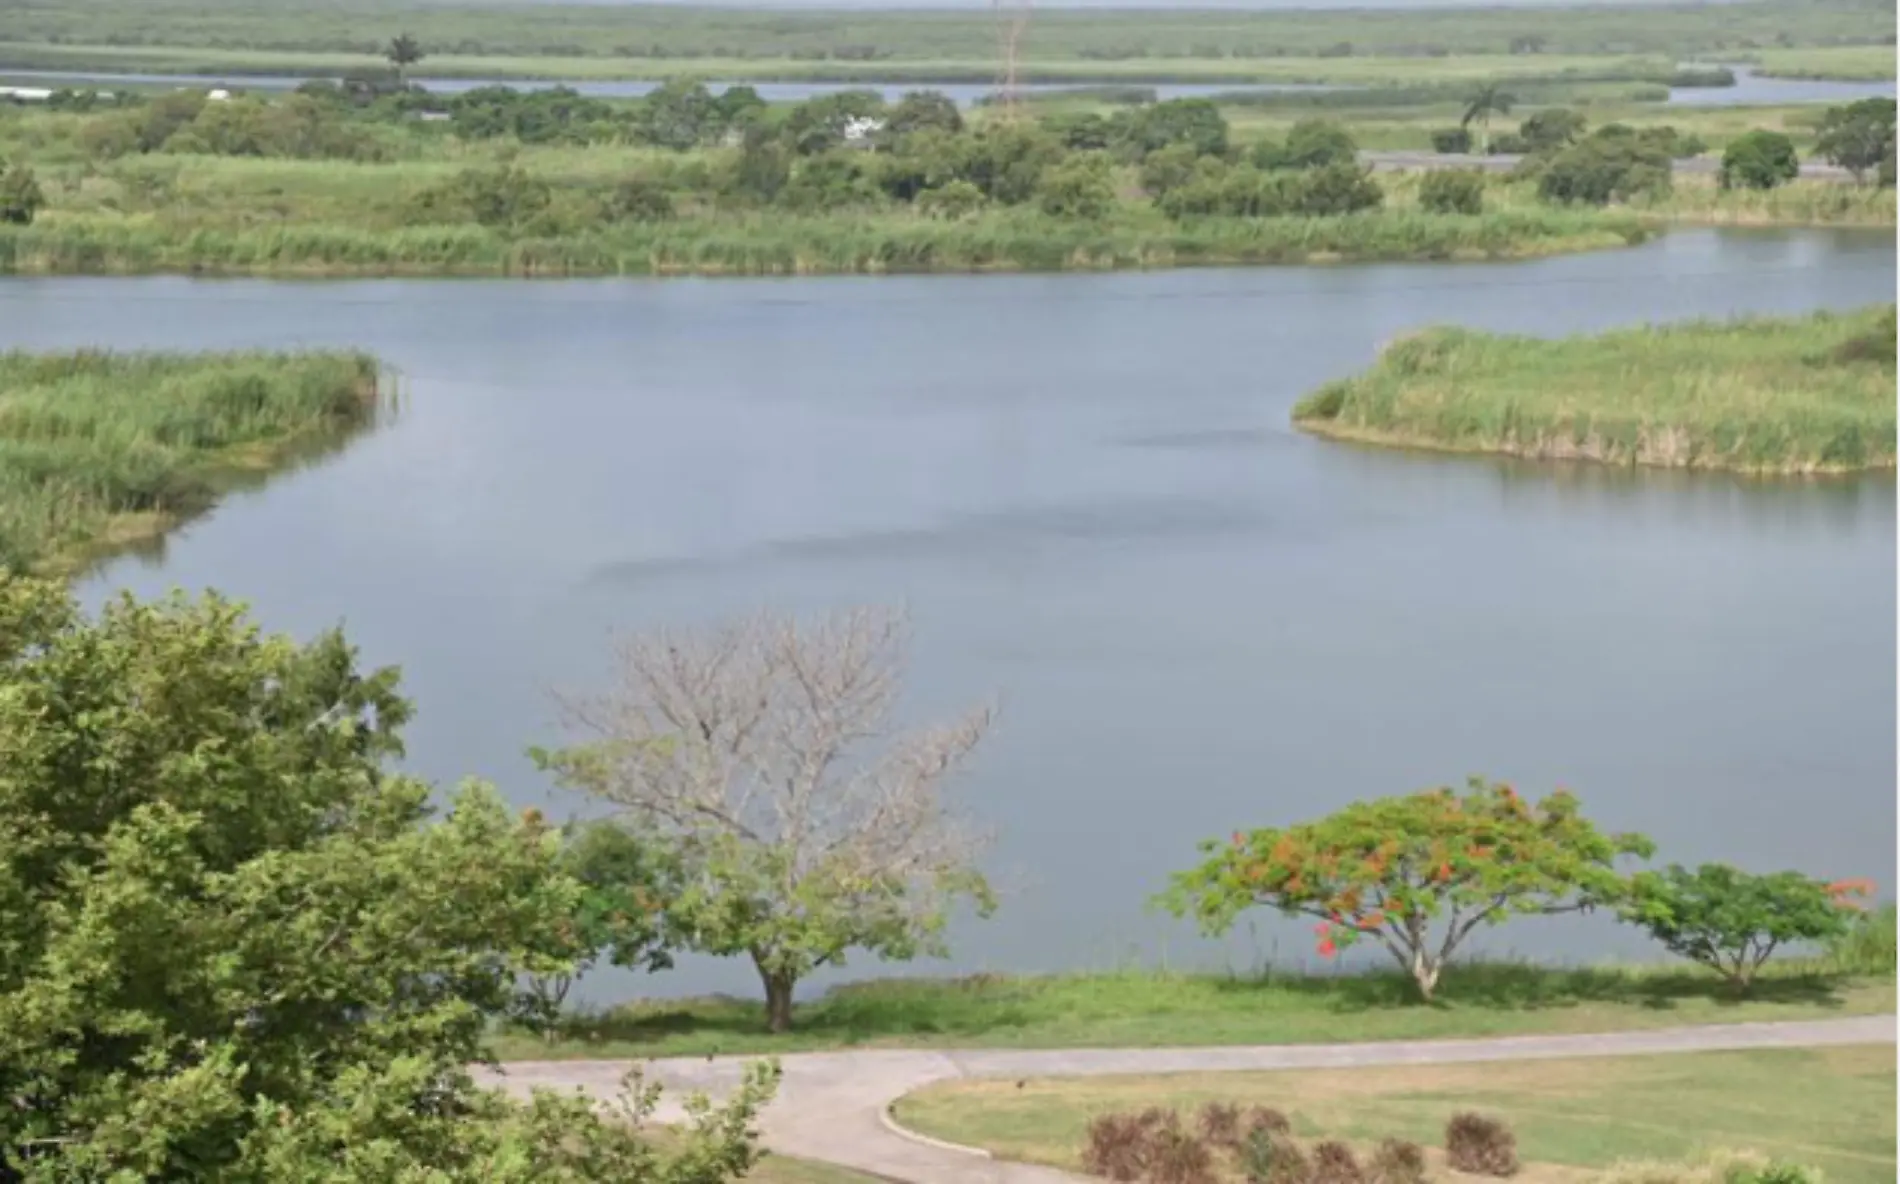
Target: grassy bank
x,y
1146,1009
1830,1108
1793,395
789,245
1842,63
100,452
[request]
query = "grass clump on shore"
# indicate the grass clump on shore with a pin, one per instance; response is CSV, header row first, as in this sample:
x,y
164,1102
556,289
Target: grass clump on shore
x,y
1811,394
100,451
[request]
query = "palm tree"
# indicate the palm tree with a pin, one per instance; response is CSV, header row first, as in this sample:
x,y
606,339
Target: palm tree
x,y
1487,102
404,51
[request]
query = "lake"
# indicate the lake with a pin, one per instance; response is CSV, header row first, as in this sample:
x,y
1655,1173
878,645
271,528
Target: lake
x,y
1085,489
1750,89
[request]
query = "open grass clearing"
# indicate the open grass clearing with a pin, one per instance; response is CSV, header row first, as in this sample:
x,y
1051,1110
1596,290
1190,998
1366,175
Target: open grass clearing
x,y
1829,1108
1156,1009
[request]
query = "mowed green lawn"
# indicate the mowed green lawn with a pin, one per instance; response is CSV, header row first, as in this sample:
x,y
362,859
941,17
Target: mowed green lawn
x,y
1145,1009
1828,1108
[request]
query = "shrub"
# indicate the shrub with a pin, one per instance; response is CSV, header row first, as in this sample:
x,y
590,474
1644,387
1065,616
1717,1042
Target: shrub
x,y
1266,1118
1220,1124
1310,144
958,199
1452,141
1480,1145
1613,164
1334,1163
1510,144
1551,129
502,197
1868,946
640,199
1398,1161
1176,1156
1286,1163
1121,1146
1077,188
1169,168
1452,191
21,197
1340,188
1759,160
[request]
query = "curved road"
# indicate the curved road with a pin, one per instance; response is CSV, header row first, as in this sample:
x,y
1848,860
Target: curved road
x,y
832,1106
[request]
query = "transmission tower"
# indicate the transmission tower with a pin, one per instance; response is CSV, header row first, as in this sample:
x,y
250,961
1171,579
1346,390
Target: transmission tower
x,y
1012,21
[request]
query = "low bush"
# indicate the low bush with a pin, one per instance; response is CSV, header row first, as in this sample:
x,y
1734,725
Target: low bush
x,y
1452,141
1176,1156
1480,1145
1398,1161
1452,191
1220,1125
1334,1163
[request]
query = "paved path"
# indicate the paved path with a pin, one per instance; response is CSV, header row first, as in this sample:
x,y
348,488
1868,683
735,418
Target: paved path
x,y
1703,165
832,1105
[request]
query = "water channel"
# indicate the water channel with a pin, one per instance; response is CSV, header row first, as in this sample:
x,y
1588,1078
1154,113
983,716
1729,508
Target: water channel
x,y
1085,489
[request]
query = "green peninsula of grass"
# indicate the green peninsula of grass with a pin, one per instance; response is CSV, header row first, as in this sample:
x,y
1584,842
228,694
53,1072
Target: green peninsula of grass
x,y
103,451
1811,394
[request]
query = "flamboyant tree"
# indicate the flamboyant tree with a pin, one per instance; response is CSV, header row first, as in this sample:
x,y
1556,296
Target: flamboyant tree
x,y
1415,874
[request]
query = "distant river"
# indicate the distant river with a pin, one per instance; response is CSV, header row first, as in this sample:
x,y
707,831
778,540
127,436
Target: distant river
x,y
1750,89
1086,490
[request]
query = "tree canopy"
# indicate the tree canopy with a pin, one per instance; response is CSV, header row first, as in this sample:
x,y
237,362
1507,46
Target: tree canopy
x,y
760,755
233,947
1857,137
1733,921
1416,874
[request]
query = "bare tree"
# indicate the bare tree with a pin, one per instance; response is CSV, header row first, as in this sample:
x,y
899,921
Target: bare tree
x,y
762,753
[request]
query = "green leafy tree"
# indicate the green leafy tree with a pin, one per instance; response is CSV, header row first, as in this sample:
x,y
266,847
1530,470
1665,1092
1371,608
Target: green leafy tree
x,y
21,197
640,199
1452,191
1858,136
1198,123
1614,163
1759,160
683,114
403,52
1551,129
958,199
625,883
1343,187
235,947
1415,874
1078,187
922,110
1310,144
1489,99
1732,921
751,753
1451,141
1170,168
818,125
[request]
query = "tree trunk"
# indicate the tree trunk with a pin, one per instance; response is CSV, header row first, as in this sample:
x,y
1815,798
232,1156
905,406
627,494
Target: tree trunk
x,y
778,997
1425,974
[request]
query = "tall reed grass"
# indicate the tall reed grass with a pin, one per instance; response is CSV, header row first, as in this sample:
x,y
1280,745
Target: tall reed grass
x,y
100,450
1809,394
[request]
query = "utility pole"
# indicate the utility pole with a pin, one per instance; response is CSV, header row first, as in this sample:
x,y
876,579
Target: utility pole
x,y
1012,21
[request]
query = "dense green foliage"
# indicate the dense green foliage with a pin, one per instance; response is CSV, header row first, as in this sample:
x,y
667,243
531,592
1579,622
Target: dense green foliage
x,y
1415,874
1452,191
1779,394
237,948
20,194
97,448
1733,921
1613,163
1859,137
1759,160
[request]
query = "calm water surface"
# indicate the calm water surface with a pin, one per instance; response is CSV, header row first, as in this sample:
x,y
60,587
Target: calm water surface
x,y
1085,488
1749,89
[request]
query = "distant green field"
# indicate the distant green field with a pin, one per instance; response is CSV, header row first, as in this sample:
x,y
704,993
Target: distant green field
x,y
1847,63
513,39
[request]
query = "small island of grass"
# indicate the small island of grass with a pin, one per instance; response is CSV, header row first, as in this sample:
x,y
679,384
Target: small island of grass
x,y
1811,394
102,451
